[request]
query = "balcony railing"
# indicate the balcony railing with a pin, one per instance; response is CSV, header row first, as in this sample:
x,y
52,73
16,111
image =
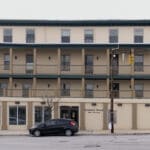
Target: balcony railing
x,y
75,93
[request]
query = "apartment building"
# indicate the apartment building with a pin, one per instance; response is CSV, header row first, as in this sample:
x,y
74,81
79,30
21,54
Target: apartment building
x,y
70,66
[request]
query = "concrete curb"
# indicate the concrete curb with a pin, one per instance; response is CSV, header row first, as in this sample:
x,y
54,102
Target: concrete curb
x,y
80,133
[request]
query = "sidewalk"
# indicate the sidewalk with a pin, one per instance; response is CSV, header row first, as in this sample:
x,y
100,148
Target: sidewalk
x,y
104,132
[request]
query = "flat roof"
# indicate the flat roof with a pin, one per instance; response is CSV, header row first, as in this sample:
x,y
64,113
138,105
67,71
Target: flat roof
x,y
75,22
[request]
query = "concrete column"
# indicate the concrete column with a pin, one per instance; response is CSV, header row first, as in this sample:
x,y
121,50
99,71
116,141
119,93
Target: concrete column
x,y
56,107
34,60
107,87
10,86
105,118
30,114
108,61
59,60
134,116
58,87
11,60
34,91
83,87
82,116
83,61
132,88
132,65
4,116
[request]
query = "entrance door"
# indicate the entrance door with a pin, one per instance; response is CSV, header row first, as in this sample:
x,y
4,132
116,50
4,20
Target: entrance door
x,y
114,62
70,112
89,64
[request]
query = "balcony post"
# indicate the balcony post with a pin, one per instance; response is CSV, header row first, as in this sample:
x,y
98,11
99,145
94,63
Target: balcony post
x,y
132,88
132,64
34,91
11,60
108,61
83,61
58,87
10,86
83,87
59,60
34,60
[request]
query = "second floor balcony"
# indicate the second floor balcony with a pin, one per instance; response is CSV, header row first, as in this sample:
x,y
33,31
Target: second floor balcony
x,y
74,93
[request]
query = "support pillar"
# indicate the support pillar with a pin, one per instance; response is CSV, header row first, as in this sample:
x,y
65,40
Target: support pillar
x,y
30,114
134,116
105,117
82,116
4,116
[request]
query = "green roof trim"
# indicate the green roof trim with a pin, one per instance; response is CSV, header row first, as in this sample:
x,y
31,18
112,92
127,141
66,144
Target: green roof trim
x,y
70,45
74,22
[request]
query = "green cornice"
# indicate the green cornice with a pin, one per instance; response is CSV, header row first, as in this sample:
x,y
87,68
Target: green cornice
x,y
74,22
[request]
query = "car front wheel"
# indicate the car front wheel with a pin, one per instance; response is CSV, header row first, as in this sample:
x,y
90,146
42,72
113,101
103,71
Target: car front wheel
x,y
68,132
37,133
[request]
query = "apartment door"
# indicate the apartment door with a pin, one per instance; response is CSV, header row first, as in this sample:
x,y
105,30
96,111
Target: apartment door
x,y
116,90
26,90
71,112
114,63
89,64
29,63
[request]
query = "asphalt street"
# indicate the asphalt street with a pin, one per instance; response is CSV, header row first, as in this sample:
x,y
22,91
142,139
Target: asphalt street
x,y
79,142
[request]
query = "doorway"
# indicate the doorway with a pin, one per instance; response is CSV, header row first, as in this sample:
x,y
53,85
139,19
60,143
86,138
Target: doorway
x,y
71,112
114,62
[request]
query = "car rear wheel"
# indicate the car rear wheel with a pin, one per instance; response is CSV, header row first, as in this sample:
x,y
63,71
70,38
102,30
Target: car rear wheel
x,y
68,132
37,133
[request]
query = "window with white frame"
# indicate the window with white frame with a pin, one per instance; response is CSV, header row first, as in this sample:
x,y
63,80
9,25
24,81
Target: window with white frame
x,y
139,62
30,36
42,114
65,36
139,87
17,115
7,35
113,36
88,36
138,35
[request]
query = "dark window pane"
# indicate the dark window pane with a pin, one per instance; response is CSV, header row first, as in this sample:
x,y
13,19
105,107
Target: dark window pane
x,y
7,37
113,36
138,39
65,63
21,115
88,36
30,36
47,113
65,36
13,115
38,114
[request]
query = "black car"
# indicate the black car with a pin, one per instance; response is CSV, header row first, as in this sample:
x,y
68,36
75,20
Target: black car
x,y
67,127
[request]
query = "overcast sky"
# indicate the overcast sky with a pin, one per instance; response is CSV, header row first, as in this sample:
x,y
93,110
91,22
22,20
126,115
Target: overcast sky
x,y
74,9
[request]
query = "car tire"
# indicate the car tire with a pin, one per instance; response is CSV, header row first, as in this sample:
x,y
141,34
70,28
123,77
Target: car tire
x,y
68,132
37,133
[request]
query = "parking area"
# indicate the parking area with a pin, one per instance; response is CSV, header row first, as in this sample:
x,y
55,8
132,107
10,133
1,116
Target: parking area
x,y
78,142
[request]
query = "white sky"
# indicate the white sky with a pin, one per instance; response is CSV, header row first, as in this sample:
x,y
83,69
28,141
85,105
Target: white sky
x,y
74,9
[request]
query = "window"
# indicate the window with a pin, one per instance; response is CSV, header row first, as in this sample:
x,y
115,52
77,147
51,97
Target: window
x,y
3,87
65,36
17,115
89,90
138,63
26,90
30,36
139,90
88,36
6,61
42,114
29,63
89,64
138,35
7,35
113,36
65,63
65,89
